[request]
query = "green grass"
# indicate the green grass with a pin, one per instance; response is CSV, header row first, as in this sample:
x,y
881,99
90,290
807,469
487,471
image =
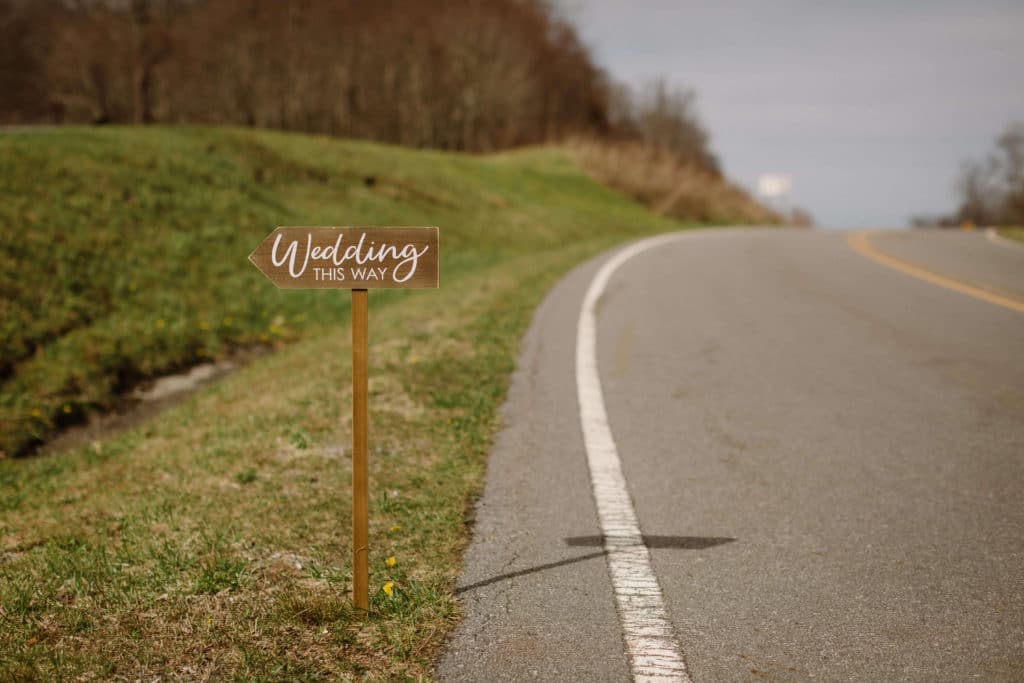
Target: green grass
x,y
213,541
1013,233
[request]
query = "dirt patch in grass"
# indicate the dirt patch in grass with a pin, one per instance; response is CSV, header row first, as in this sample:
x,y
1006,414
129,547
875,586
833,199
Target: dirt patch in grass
x,y
150,399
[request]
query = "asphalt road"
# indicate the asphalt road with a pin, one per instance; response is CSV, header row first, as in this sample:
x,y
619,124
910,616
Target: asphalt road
x,y
825,456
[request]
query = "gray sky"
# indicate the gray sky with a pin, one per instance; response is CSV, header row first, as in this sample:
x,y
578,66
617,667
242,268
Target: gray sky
x,y
870,106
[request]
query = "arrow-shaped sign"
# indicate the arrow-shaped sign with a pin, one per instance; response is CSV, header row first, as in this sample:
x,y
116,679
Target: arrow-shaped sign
x,y
356,259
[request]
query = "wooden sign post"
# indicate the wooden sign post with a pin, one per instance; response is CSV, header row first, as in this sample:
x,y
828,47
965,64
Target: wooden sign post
x,y
359,259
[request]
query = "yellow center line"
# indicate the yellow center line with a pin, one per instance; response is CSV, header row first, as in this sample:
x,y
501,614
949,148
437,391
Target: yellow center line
x,y
858,241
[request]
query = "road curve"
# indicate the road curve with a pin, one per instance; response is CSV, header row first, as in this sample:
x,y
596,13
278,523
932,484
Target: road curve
x,y
825,456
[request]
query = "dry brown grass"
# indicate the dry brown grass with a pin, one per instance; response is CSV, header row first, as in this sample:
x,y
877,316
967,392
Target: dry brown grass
x,y
670,187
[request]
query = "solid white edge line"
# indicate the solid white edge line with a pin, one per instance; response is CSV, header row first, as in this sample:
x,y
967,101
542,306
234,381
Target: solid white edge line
x,y
993,236
651,643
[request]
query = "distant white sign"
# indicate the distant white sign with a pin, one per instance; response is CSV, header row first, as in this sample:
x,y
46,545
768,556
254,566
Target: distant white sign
x,y
772,185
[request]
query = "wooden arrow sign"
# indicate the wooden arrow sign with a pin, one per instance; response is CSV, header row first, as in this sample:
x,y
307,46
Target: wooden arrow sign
x,y
349,258
358,259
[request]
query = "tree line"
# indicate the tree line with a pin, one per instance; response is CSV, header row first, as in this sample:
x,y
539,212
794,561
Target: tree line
x,y
992,190
473,75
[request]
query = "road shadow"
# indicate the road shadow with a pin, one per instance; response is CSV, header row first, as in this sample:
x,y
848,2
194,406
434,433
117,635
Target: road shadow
x,y
529,570
673,542
651,541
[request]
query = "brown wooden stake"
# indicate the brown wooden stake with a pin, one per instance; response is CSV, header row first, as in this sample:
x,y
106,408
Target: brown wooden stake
x,y
355,258
360,474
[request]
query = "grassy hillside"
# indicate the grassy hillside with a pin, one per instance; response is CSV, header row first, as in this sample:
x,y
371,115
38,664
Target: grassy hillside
x,y
120,255
213,541
667,185
1013,233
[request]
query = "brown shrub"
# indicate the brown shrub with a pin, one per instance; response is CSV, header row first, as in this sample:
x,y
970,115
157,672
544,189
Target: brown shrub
x,y
664,182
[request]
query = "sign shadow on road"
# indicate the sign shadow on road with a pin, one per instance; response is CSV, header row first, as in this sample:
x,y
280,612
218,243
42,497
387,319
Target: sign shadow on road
x,y
651,541
673,542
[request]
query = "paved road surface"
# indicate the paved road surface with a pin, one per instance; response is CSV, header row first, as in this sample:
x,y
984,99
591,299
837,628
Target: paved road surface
x,y
825,456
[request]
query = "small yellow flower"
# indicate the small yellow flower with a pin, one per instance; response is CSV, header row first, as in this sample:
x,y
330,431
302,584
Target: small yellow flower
x,y
388,588
395,527
390,561
35,412
67,409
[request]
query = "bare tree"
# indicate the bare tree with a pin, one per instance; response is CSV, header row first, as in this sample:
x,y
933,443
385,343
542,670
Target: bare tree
x,y
1011,146
992,191
666,119
152,42
25,32
457,74
86,65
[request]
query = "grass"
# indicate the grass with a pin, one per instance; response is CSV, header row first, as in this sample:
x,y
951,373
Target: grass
x,y
213,540
119,253
1013,233
118,262
667,185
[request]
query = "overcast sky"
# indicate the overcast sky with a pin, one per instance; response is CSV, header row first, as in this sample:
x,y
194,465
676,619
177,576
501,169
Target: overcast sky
x,y
870,106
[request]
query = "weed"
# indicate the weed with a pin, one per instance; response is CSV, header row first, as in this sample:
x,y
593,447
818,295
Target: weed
x,y
220,574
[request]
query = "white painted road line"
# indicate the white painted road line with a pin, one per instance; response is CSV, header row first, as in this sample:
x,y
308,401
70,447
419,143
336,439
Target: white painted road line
x,y
654,652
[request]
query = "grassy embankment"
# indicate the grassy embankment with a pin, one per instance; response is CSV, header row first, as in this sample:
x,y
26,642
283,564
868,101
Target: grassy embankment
x,y
1013,233
670,187
213,540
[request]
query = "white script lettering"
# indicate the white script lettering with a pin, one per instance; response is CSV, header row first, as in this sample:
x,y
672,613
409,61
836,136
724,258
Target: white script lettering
x,y
406,258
